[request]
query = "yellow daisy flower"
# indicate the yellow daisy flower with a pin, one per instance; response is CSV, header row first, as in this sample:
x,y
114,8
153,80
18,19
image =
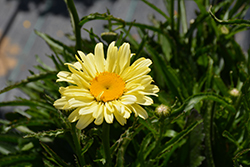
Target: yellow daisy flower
x,y
106,88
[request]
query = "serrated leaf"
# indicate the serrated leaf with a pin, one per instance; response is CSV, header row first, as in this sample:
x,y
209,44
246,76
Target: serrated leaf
x,y
29,103
31,78
192,100
13,159
195,140
87,146
7,148
26,122
227,135
124,141
235,21
27,146
169,74
143,148
221,86
56,46
53,133
156,9
177,138
55,158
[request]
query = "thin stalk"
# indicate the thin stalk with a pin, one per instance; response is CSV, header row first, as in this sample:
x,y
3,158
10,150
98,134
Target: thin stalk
x,y
75,21
76,139
106,144
207,119
158,142
179,16
172,14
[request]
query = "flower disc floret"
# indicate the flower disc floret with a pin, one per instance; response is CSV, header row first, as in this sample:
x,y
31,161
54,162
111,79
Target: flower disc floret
x,y
107,86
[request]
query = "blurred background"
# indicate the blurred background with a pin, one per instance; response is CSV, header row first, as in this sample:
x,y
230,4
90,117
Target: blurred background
x,y
19,45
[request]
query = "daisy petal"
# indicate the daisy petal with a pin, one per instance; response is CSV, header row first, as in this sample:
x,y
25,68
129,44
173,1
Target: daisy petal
x,y
111,58
65,76
89,109
120,118
74,116
108,115
99,57
128,99
84,121
123,57
60,103
140,111
144,100
99,114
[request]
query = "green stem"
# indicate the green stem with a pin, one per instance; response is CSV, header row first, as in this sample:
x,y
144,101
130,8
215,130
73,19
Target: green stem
x,y
106,144
207,129
75,21
76,139
158,140
172,14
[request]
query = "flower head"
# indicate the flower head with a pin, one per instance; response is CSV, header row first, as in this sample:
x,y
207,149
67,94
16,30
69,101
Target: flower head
x,y
106,88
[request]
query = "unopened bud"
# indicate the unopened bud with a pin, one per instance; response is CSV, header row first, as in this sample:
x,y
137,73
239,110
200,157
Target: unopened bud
x,y
109,36
234,92
163,111
224,30
191,21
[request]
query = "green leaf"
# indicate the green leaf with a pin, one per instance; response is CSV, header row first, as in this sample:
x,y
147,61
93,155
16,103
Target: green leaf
x,y
45,66
124,141
148,125
156,9
29,103
146,146
183,16
87,146
166,47
27,146
221,86
195,140
120,22
55,158
192,100
14,159
53,133
32,78
236,21
74,21
227,135
56,46
26,122
169,75
167,146
7,148
237,156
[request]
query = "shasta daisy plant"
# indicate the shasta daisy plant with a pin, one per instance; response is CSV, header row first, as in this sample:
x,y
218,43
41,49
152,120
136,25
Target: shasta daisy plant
x,y
104,89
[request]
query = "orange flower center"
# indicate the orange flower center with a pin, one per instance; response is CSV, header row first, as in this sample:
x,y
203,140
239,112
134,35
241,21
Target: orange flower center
x,y
107,86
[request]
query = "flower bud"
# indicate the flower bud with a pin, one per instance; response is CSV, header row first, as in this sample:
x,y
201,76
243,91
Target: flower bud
x,y
234,92
163,110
